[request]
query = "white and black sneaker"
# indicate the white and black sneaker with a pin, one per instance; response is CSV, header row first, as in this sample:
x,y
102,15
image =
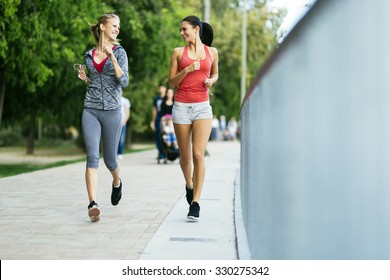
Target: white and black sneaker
x,y
193,214
94,211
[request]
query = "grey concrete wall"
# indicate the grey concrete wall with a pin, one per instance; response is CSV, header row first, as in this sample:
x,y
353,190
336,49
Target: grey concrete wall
x,y
315,158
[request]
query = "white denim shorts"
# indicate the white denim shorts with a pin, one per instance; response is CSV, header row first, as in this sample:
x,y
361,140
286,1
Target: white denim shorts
x,y
186,113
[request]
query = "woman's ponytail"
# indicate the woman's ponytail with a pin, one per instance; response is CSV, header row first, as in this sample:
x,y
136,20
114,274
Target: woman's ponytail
x,y
207,34
206,31
96,32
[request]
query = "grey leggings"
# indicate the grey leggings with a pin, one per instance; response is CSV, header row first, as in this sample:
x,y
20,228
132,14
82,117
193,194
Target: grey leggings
x,y
104,124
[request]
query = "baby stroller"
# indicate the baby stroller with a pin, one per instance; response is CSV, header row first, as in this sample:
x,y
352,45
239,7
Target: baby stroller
x,y
169,142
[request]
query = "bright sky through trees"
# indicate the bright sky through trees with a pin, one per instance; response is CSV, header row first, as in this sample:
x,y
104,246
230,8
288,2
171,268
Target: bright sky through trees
x,y
295,10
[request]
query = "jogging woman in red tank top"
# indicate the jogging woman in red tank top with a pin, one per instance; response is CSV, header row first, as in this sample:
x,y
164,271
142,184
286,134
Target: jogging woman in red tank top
x,y
193,70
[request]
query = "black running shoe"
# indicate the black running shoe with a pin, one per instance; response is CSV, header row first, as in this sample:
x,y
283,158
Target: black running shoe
x,y
193,214
116,194
94,211
189,195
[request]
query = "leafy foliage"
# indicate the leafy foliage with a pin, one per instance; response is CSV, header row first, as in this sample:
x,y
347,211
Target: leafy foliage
x,y
40,41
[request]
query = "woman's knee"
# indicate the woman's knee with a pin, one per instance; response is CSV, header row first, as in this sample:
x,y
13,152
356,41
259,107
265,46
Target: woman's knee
x,y
111,164
198,156
185,160
92,161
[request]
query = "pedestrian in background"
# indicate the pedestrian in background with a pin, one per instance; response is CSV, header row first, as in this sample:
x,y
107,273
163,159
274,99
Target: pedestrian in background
x,y
193,70
232,128
167,104
107,67
125,110
223,127
156,120
214,128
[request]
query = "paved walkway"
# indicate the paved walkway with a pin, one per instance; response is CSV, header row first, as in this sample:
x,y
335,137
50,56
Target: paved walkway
x,y
43,215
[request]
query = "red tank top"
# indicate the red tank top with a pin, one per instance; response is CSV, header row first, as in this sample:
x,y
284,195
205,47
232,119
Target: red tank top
x,y
192,88
99,66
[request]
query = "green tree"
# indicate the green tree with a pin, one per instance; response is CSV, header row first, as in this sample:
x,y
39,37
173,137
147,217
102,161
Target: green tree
x,y
262,39
44,39
41,40
8,14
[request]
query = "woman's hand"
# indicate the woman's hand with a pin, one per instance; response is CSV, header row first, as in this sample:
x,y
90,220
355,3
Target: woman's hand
x,y
208,83
108,52
81,74
193,66
152,126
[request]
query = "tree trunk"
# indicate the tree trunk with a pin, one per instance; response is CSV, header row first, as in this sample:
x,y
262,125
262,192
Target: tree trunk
x,y
31,135
2,91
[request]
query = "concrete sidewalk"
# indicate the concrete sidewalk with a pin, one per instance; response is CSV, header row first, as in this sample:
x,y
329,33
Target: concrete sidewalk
x,y
43,215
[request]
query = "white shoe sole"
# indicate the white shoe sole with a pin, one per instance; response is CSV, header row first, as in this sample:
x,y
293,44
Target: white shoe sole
x,y
94,214
192,218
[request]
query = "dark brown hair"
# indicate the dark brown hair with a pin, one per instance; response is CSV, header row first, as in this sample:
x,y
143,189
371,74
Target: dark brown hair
x,y
206,31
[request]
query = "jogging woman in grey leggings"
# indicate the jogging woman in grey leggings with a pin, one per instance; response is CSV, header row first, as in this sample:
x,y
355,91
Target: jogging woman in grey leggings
x,y
107,68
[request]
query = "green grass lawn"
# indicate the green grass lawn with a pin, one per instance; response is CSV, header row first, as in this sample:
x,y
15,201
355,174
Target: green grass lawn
x,y
18,168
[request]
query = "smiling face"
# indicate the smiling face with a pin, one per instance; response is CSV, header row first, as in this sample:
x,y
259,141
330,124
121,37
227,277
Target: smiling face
x,y
188,32
111,29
